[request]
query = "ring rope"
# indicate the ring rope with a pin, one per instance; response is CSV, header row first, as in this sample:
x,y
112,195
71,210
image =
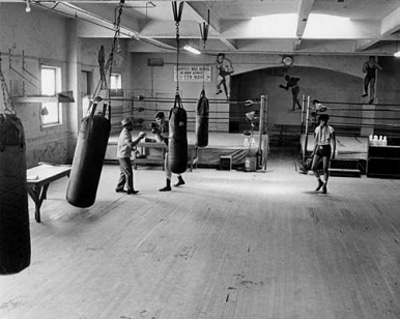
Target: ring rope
x,y
362,124
192,100
364,110
357,103
378,124
364,118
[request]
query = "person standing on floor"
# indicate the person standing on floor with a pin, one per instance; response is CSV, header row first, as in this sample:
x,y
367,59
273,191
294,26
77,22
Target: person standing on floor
x,y
124,150
324,149
160,129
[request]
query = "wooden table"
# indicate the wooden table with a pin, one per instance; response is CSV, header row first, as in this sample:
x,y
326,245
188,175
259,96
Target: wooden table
x,y
39,179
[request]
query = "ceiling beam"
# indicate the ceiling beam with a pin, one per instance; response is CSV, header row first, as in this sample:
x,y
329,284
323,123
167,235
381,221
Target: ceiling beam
x,y
389,25
362,45
304,11
101,21
297,44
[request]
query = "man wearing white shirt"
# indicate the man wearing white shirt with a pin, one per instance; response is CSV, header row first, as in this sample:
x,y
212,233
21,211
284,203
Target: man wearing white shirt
x,y
124,150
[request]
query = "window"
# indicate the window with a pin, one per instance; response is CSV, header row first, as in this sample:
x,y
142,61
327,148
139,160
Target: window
x,y
115,81
51,84
116,85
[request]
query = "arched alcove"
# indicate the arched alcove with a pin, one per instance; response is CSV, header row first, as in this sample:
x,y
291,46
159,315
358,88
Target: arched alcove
x,y
318,83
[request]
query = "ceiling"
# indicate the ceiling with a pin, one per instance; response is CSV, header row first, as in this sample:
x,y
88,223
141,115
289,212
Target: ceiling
x,y
359,27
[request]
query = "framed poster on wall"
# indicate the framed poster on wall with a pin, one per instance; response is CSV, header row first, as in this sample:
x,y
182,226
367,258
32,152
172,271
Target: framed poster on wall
x,y
192,73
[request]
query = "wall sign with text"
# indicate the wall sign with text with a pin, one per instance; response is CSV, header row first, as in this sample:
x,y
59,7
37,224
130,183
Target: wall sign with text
x,y
192,73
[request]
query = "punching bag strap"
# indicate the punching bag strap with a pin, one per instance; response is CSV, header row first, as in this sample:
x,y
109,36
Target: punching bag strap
x,y
93,106
178,101
92,109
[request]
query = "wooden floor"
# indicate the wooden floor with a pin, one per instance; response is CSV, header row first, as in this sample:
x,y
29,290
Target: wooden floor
x,y
228,244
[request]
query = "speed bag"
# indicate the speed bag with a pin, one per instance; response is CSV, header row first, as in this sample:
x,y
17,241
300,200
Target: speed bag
x,y
88,160
15,243
202,121
177,141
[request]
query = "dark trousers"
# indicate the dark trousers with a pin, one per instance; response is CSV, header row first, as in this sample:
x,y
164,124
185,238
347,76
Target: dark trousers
x,y
126,174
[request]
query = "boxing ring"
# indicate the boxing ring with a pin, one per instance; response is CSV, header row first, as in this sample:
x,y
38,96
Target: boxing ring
x,y
355,124
221,144
347,147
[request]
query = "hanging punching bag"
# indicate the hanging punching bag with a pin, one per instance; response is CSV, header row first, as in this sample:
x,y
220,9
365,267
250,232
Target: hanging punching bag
x,y
15,244
202,120
88,159
177,141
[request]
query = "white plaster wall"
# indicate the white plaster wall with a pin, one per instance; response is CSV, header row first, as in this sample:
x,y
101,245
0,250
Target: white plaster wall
x,y
47,38
89,55
158,81
42,39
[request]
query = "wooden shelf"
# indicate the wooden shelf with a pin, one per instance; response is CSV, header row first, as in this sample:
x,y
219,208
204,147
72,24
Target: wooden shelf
x,y
63,97
34,99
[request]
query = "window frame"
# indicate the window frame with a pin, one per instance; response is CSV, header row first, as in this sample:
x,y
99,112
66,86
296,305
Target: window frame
x,y
117,90
46,105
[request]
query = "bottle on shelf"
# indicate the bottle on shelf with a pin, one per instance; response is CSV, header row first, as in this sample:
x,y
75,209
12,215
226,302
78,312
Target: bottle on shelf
x,y
371,140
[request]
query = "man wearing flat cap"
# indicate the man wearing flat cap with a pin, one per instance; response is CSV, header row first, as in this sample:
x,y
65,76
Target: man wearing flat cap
x,y
124,150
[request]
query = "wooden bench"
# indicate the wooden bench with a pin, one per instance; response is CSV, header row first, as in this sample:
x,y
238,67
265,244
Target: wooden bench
x,y
39,179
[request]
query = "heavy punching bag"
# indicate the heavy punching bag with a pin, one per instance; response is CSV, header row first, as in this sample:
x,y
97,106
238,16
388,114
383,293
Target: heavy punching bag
x,y
15,243
177,141
88,158
202,120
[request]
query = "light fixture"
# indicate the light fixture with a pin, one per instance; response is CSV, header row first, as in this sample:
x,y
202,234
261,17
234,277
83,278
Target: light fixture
x,y
191,49
28,7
